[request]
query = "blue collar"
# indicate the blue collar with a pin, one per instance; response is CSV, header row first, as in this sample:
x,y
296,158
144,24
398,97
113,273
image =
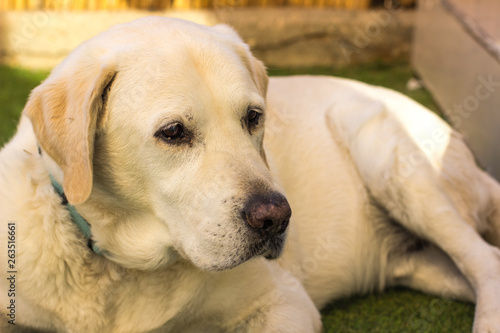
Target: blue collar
x,y
77,219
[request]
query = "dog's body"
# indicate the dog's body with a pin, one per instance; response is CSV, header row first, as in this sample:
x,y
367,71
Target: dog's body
x,y
382,191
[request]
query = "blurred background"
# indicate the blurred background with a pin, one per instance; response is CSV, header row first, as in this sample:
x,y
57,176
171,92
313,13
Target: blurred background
x,y
443,53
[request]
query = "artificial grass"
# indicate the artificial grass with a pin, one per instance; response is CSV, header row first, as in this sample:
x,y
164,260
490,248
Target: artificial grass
x,y
15,85
397,309
394,76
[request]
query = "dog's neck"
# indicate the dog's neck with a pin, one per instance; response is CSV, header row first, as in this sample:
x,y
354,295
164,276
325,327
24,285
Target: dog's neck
x,y
119,231
76,218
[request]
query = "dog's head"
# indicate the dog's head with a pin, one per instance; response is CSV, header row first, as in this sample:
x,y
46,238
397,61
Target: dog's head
x,y
155,129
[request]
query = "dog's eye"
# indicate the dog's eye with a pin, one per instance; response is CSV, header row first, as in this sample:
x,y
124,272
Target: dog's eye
x,y
253,117
172,133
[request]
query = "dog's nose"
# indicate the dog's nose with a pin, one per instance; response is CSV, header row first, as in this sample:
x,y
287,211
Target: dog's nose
x,y
268,214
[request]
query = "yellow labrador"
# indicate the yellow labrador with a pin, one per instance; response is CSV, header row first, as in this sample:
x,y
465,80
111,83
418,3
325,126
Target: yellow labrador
x,y
141,194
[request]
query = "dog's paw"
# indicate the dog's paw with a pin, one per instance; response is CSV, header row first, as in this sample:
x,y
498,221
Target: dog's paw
x,y
291,322
487,318
489,325
292,312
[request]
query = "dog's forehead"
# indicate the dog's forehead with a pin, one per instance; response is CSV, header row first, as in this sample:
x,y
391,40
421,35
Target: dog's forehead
x,y
193,72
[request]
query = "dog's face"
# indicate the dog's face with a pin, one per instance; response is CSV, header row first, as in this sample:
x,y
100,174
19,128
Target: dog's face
x,y
161,122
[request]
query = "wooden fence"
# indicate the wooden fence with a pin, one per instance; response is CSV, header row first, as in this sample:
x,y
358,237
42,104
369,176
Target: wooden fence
x,y
159,5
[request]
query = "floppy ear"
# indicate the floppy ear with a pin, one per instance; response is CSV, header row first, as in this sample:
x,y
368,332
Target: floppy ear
x,y
64,111
260,75
257,69
226,29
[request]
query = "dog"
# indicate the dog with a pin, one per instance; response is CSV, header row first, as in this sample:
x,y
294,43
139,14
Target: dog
x,y
140,194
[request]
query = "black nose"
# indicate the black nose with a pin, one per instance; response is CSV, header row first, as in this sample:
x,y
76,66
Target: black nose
x,y
267,214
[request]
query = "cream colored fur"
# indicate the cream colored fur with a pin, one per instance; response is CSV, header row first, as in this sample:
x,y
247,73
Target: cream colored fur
x,y
383,192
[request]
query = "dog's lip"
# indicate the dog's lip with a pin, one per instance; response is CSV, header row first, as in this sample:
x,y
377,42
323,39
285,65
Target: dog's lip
x,y
272,255
269,248
273,247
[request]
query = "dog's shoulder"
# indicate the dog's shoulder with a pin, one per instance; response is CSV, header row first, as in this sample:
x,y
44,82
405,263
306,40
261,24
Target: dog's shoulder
x,y
47,248
19,163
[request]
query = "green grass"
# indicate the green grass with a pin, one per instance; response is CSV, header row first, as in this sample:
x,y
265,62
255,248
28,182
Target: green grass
x,y
15,85
396,310
394,76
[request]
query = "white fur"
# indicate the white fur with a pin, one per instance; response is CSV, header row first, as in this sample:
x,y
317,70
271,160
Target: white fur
x,y
367,173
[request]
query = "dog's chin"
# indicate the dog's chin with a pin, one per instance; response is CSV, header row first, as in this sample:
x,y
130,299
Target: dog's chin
x,y
275,247
270,248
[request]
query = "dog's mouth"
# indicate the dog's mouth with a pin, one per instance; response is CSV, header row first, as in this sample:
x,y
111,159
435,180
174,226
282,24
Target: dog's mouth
x,y
274,247
270,248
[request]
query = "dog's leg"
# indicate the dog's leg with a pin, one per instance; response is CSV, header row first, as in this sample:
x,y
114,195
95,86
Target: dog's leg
x,y
431,271
492,232
424,196
258,297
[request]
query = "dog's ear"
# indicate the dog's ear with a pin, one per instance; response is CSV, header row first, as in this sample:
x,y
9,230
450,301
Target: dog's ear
x,y
226,29
64,111
260,75
257,69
